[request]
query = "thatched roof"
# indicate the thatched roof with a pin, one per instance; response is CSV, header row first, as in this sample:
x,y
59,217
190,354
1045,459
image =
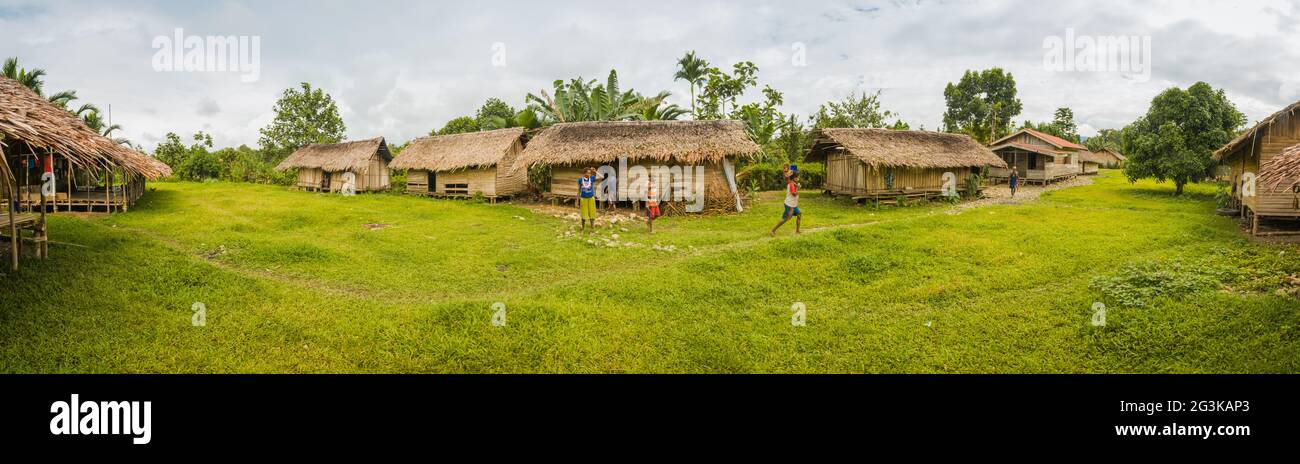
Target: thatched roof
x,y
689,142
458,151
1111,155
1250,133
1282,171
336,157
28,118
1086,156
915,149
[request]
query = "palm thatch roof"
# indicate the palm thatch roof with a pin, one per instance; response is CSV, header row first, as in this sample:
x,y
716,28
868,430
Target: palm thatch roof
x,y
914,149
337,157
1087,156
690,142
1250,133
1111,155
459,151
1282,172
28,118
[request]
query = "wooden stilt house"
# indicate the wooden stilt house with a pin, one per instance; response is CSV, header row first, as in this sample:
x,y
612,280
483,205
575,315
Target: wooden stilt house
x,y
1040,158
875,164
44,150
1262,165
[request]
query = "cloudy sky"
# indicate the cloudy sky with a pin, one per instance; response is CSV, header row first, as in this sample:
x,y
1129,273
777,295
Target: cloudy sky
x,y
399,69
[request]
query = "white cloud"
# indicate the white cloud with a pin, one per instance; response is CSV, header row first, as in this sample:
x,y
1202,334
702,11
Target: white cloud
x,y
399,69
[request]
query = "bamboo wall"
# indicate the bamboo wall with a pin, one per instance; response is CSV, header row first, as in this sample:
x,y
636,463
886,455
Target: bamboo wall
x,y
375,179
848,175
717,192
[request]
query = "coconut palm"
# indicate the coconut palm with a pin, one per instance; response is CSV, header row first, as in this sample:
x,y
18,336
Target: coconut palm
x,y
692,70
34,79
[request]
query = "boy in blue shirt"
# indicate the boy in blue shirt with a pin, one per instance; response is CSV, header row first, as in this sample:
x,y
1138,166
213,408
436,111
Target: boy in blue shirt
x,y
587,198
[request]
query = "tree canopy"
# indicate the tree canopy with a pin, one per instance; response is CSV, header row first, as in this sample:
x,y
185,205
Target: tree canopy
x,y
982,104
303,116
1178,134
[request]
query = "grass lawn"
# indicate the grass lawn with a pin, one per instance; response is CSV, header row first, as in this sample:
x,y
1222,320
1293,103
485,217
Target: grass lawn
x,y
305,282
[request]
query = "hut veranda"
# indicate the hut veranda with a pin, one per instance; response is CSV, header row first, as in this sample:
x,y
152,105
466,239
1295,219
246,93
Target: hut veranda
x,y
876,164
53,162
693,161
1039,158
469,164
1263,164
327,167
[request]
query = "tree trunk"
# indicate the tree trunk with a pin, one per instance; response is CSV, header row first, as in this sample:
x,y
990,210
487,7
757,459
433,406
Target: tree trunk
x,y
693,116
1178,187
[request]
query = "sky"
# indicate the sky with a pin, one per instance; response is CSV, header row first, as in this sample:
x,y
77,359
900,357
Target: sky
x,y
400,69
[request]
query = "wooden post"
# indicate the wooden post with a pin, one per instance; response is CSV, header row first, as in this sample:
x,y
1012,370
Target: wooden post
x,y
108,191
70,174
40,230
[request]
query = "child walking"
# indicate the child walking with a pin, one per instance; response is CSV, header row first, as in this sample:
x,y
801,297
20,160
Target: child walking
x,y
791,204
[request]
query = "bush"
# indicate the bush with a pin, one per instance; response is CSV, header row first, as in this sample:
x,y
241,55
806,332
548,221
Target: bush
x,y
769,176
1137,284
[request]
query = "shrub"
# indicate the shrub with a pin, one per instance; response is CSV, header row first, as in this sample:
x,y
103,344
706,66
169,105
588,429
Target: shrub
x,y
1137,284
770,176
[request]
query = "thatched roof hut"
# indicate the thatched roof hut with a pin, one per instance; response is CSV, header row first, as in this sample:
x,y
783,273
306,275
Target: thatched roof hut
x,y
465,164
31,119
1109,157
712,146
1266,151
883,163
321,166
905,149
90,170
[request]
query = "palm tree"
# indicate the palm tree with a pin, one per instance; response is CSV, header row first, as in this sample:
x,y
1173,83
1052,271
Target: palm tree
x,y
692,70
651,111
35,80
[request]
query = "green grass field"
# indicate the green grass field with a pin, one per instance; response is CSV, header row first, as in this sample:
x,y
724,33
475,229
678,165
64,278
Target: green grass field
x,y
302,282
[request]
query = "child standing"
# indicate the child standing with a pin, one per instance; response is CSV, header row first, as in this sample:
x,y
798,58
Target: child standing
x,y
1014,181
587,198
651,203
791,204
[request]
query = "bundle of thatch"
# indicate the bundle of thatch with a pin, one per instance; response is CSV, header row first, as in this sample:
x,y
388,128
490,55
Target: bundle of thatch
x,y
683,142
460,151
337,157
1282,172
28,118
914,149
